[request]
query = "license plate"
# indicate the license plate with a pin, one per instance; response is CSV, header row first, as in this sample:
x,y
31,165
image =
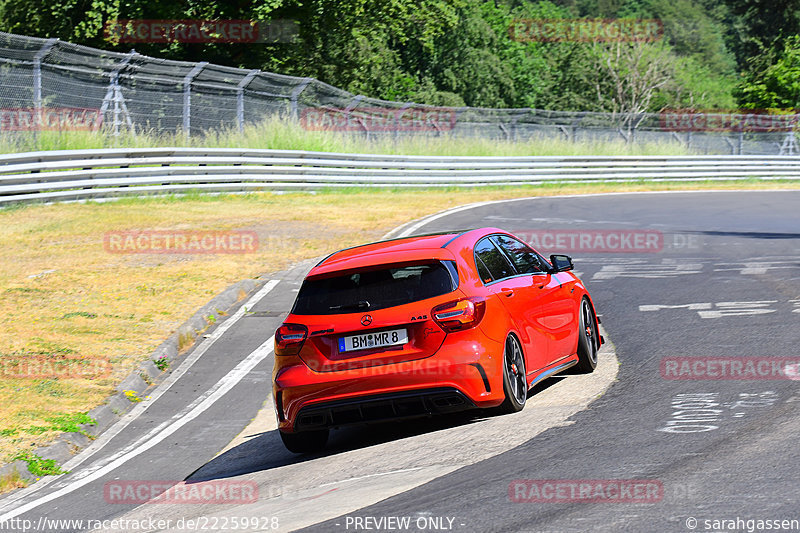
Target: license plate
x,y
378,339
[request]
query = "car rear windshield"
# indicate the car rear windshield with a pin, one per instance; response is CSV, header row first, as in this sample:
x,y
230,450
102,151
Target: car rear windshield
x,y
373,289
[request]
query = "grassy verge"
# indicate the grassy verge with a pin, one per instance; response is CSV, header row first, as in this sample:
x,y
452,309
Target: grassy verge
x,y
280,134
65,298
12,481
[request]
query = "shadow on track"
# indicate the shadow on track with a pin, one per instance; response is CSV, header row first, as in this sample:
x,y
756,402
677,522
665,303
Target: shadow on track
x,y
265,451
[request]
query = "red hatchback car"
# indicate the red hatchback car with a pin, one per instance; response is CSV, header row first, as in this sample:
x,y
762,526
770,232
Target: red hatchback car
x,y
426,325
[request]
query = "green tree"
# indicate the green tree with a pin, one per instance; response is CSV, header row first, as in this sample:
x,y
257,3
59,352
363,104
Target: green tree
x,y
442,52
773,84
72,20
761,24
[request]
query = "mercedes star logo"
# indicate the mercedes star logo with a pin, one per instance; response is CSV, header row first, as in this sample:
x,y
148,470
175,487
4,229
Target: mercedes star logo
x,y
366,320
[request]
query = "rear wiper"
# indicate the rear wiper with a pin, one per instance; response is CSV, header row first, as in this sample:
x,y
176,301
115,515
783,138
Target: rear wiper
x,y
361,304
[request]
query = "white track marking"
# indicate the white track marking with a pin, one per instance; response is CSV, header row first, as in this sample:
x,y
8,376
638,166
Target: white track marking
x,y
705,411
668,268
756,266
195,409
720,309
128,418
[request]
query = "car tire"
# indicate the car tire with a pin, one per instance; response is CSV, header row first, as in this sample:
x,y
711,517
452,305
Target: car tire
x,y
306,441
588,340
515,380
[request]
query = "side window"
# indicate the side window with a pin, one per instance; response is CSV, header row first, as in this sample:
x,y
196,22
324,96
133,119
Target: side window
x,y
525,260
544,262
483,272
491,263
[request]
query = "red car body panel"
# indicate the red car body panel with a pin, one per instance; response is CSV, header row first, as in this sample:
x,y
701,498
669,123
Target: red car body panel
x,y
542,310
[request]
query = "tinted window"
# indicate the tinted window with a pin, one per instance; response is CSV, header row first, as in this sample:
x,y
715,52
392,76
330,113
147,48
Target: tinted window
x,y
525,260
483,271
491,263
369,290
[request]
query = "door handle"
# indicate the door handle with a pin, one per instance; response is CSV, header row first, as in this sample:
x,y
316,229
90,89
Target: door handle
x,y
507,292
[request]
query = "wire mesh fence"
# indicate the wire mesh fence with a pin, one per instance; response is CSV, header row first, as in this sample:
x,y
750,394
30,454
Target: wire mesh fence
x,y
55,85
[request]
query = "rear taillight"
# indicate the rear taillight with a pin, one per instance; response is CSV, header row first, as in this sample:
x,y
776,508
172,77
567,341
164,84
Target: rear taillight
x,y
459,314
290,338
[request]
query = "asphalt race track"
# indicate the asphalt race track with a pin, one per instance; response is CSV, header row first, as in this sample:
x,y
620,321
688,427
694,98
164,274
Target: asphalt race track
x,y
689,424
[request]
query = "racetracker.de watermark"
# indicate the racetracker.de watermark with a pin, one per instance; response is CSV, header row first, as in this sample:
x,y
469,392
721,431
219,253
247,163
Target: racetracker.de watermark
x,y
586,490
149,523
36,366
594,241
200,31
179,492
730,368
586,30
50,119
378,119
737,120
407,369
181,242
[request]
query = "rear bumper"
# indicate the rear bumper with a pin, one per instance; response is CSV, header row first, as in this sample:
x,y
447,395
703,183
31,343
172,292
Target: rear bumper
x,y
381,407
465,373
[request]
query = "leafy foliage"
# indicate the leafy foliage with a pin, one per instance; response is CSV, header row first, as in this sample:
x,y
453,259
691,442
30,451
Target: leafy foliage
x,y
461,52
40,467
775,85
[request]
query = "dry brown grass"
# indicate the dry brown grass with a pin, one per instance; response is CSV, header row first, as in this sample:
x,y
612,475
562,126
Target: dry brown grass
x,y
12,481
62,295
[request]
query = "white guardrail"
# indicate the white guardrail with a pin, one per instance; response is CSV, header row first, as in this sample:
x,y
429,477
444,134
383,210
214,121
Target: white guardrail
x,y
54,176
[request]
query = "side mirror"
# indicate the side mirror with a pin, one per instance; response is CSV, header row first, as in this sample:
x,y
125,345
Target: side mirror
x,y
561,263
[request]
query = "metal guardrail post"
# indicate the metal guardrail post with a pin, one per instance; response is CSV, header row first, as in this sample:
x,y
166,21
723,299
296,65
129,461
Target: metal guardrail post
x,y
349,109
459,111
296,92
789,145
353,103
573,127
187,96
397,115
240,87
635,121
37,75
114,94
514,128
733,146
